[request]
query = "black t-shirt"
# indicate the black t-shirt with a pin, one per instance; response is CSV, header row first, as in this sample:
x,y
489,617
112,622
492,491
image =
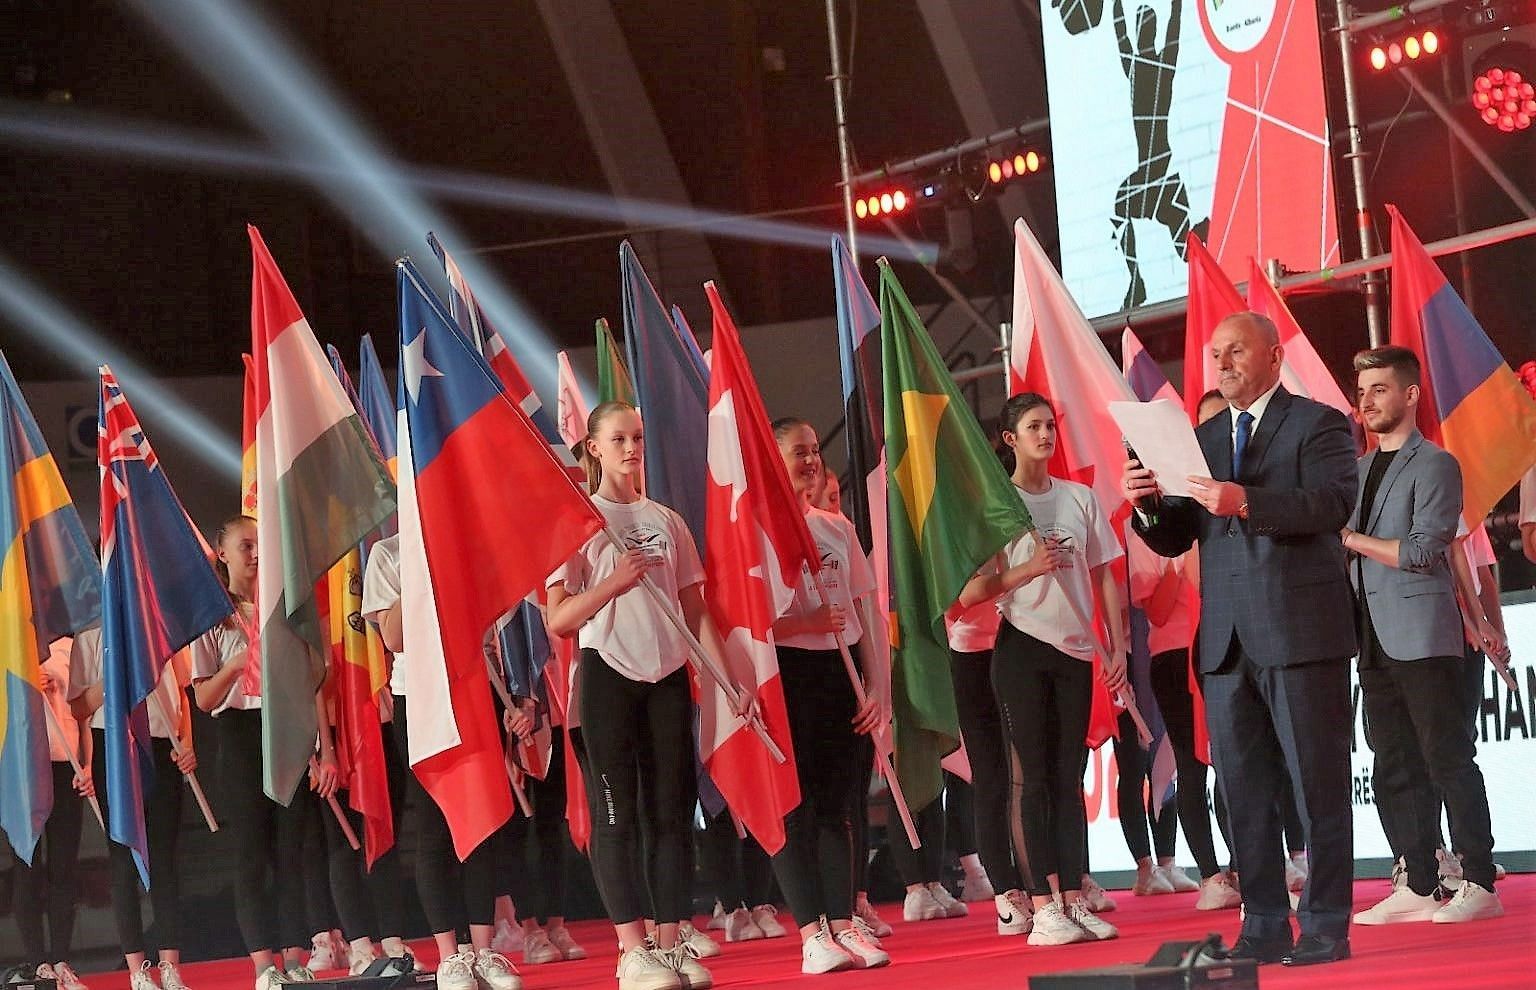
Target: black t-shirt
x,y
1370,648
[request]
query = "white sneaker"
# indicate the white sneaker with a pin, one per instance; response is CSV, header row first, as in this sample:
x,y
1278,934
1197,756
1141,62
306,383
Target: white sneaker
x,y
538,949
702,945
717,919
1218,894
65,975
1400,906
1499,873
820,954
44,971
977,888
1094,896
1092,923
1470,903
1051,926
866,955
1150,880
323,955
560,938
766,918
642,969
343,948
739,926
143,978
1295,873
271,978
1399,873
1181,882
684,961
952,908
1450,869
299,974
359,960
921,905
868,932
170,976
508,938
865,912
1014,913
494,971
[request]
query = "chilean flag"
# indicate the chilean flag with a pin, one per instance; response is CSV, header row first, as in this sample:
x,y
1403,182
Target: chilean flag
x,y
757,544
158,594
1474,406
468,553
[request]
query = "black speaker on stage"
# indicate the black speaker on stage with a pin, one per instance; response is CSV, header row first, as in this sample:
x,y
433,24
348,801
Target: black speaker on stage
x,y
388,973
1174,966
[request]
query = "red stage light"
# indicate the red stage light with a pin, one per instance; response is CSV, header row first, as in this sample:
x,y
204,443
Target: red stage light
x,y
1411,46
1378,58
899,198
1020,165
1431,42
995,172
1504,99
874,206
886,203
1032,160
1007,168
1394,53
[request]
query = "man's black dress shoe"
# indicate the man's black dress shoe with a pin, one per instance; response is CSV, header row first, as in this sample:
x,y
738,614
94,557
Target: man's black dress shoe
x,y
1260,950
1313,949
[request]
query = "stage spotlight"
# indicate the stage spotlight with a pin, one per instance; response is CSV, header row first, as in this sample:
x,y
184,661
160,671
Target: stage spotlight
x,y
995,172
1378,58
1033,161
860,208
1411,46
899,199
1504,98
1394,52
1431,42
881,204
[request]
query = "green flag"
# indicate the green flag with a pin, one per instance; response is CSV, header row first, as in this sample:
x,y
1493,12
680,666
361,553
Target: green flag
x,y
951,508
613,380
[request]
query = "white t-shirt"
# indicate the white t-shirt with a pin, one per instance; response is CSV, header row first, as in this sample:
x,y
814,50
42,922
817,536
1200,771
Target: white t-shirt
x,y
629,632
1528,497
1069,512
381,589
845,573
85,673
1146,572
973,630
56,665
218,646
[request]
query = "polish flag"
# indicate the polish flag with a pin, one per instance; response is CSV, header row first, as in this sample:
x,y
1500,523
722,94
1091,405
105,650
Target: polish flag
x,y
1302,370
757,547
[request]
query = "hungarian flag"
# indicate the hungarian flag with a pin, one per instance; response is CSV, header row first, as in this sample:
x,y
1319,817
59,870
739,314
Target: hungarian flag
x,y
951,508
320,488
613,381
1474,405
1057,354
464,445
570,407
1212,298
756,549
1301,369
158,594
50,587
248,440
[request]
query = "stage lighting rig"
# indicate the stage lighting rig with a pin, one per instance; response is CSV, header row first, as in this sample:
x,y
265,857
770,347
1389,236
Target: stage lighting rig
x,y
1417,45
1499,56
964,180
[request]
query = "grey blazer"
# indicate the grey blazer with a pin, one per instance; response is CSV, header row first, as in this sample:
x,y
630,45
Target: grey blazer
x,y
1413,607
1276,580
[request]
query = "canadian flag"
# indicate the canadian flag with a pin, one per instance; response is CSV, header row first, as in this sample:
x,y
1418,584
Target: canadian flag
x,y
757,545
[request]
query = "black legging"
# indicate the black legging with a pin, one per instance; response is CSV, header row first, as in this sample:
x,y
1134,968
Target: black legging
x,y
638,746
986,745
739,869
815,867
162,828
367,901
453,895
531,858
959,814
47,888
1134,805
1045,697
861,838
1170,686
269,839
925,865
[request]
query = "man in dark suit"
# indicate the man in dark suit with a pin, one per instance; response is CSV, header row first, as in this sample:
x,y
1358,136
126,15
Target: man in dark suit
x,y
1411,658
1276,632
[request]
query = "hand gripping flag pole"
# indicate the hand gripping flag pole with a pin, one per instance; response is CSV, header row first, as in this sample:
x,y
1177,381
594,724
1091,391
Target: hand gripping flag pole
x,y
74,761
190,775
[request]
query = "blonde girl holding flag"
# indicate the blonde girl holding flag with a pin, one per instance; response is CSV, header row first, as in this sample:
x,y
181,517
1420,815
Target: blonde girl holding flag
x,y
635,702
1045,582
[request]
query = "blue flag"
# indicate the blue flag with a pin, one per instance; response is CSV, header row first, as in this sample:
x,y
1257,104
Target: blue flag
x,y
672,390
159,593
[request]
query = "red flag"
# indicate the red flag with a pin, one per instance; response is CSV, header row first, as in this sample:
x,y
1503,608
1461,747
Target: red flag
x,y
756,548
1302,370
560,679
1212,298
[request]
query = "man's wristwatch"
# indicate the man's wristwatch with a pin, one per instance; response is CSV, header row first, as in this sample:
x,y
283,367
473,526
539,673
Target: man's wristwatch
x,y
1242,511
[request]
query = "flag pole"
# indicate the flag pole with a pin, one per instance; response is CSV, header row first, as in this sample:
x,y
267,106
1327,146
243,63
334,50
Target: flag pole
x,y
190,775
886,769
700,659
341,818
506,700
74,761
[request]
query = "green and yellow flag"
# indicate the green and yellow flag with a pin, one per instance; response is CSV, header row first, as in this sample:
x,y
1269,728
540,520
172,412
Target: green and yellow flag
x,y
951,507
613,381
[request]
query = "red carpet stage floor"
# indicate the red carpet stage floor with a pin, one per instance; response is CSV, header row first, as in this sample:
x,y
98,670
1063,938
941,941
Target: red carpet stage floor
x,y
966,954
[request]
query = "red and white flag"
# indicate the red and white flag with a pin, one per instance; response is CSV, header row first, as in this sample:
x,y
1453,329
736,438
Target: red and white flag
x,y
1212,298
757,547
1302,370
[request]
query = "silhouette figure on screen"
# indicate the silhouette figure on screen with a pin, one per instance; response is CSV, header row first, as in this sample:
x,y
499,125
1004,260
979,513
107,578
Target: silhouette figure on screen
x,y
1152,191
1078,16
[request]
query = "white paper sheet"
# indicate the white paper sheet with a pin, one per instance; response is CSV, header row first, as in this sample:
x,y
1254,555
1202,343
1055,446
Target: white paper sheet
x,y
1164,441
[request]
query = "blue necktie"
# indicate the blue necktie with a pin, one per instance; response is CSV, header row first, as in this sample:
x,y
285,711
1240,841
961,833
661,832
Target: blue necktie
x,y
1240,443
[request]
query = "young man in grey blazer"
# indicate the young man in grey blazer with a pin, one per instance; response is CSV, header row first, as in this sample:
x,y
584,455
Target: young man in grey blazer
x,y
1411,650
